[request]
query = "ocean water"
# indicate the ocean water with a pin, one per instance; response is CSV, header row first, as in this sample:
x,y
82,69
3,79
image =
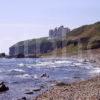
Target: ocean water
x,y
24,75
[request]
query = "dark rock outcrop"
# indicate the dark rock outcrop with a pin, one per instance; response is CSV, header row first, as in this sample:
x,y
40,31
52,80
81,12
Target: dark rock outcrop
x,y
2,55
44,75
3,87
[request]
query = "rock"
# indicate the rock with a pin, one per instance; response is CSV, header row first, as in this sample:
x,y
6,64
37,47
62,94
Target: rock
x,y
37,89
42,86
3,87
85,60
29,93
44,75
23,98
76,77
62,84
2,55
92,61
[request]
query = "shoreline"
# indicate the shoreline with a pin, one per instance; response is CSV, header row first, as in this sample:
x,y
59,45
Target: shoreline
x,y
81,90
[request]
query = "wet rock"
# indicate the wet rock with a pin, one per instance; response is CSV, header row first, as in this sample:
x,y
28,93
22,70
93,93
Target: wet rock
x,y
42,86
36,89
62,84
2,55
85,61
92,61
23,98
29,93
76,77
3,87
44,75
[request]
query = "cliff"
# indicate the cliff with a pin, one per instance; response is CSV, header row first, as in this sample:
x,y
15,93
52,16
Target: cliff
x,y
82,38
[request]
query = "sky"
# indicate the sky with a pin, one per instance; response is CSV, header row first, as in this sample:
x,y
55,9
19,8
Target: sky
x,y
28,19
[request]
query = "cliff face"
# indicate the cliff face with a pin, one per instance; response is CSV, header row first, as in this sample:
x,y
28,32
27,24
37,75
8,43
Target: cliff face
x,y
87,37
31,48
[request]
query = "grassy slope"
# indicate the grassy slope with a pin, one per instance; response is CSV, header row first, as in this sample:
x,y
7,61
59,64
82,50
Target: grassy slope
x,y
85,31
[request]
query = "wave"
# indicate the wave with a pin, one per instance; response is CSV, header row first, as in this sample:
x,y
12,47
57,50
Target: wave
x,y
21,65
58,63
95,71
24,76
15,72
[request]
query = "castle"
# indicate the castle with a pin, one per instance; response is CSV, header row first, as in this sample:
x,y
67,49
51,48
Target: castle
x,y
59,32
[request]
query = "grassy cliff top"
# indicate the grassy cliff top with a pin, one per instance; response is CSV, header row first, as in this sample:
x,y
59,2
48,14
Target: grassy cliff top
x,y
90,31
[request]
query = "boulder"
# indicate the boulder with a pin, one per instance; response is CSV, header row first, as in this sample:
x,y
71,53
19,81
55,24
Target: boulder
x,y
44,75
2,55
3,87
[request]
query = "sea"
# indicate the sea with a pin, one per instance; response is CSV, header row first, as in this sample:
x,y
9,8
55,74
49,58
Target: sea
x,y
30,77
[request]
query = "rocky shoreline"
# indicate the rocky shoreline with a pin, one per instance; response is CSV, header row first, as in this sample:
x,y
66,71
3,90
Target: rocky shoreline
x,y
80,90
83,90
3,87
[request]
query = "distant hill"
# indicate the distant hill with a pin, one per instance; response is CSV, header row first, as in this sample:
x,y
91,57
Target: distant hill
x,y
83,38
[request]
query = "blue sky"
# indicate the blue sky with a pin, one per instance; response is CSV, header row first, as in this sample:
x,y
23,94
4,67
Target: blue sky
x,y
26,19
